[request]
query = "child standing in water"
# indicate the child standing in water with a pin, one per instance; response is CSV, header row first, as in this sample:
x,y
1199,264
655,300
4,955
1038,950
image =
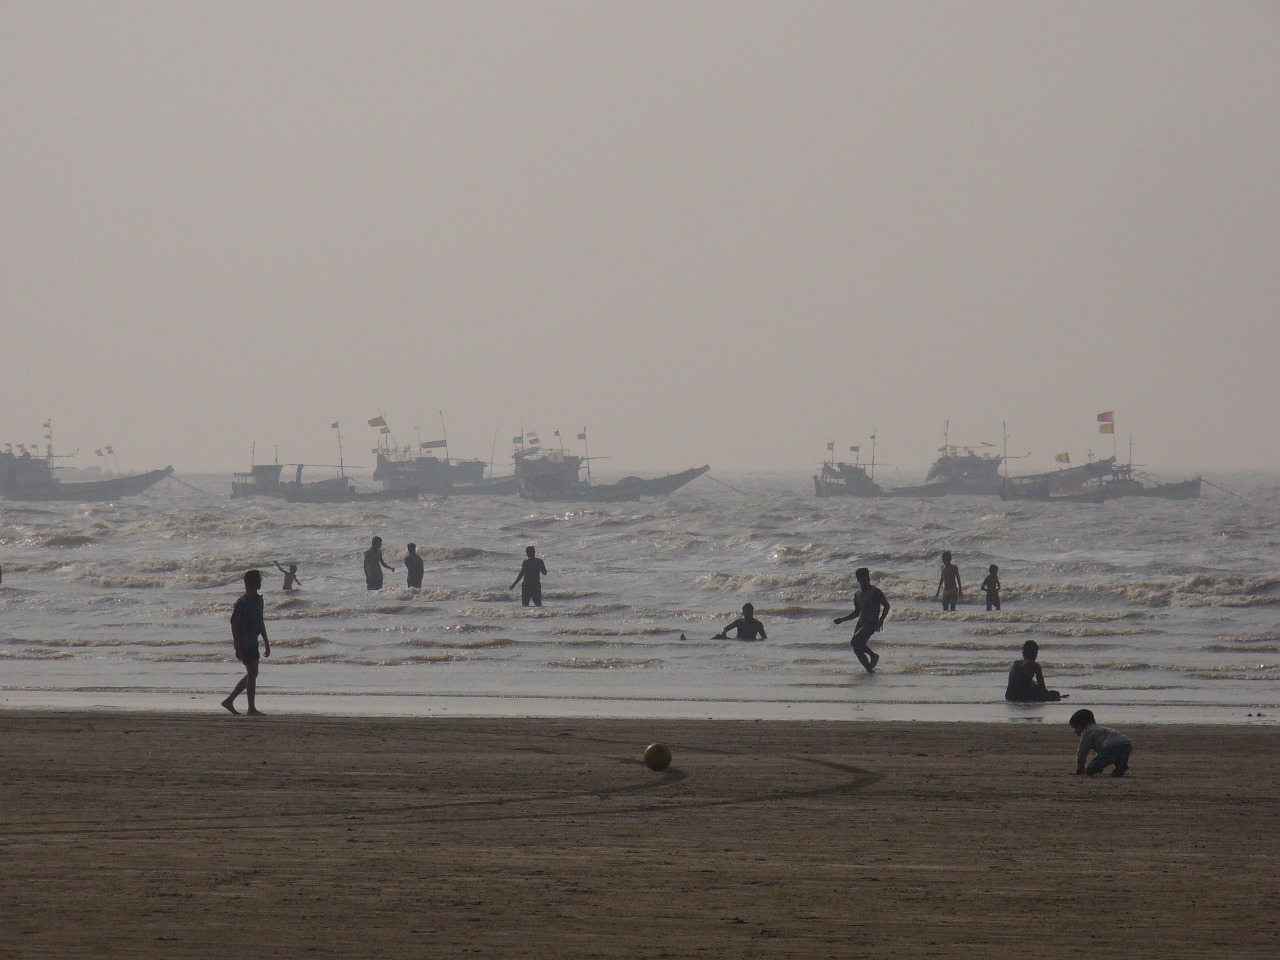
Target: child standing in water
x,y
949,586
991,587
290,576
1109,746
247,624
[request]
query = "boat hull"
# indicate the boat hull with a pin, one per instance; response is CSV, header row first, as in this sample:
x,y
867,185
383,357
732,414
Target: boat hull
x,y
88,491
631,488
293,494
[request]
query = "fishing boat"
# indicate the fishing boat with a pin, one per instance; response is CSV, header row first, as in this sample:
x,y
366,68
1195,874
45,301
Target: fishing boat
x,y
556,475
403,469
339,489
1123,482
958,470
1067,485
27,476
847,479
263,480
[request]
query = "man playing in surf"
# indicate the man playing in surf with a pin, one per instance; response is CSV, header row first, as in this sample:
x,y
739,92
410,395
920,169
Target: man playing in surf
x,y
374,565
871,608
531,572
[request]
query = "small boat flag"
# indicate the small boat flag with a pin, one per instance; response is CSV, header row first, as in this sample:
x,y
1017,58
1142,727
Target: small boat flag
x,y
1106,428
1063,458
1108,417
378,422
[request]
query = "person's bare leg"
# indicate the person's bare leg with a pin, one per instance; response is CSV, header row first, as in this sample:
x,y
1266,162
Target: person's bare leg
x,y
229,704
251,688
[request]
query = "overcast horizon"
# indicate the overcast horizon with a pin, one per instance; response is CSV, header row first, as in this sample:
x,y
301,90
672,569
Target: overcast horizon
x,y
724,233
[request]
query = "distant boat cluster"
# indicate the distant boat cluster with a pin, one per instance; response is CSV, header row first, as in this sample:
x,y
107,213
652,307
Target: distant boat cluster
x,y
964,470
403,473
553,474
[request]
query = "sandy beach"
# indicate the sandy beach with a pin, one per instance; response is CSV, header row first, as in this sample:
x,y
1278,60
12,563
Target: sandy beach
x,y
131,835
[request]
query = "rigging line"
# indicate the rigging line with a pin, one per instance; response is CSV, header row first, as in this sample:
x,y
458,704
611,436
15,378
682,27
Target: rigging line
x,y
1223,489
192,486
729,485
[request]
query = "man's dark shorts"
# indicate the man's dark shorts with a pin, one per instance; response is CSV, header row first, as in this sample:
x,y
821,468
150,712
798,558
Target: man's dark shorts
x,y
531,593
863,634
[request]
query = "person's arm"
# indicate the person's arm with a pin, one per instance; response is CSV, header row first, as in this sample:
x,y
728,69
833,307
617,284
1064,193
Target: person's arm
x,y
847,617
763,635
959,585
1037,676
385,564
278,567
1082,754
542,567
518,578
941,577
266,644
884,611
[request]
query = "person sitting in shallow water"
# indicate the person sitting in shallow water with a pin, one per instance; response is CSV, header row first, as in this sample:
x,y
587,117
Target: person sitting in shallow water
x,y
1026,679
747,626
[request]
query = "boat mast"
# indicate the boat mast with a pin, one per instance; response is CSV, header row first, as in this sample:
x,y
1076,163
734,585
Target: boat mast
x,y
587,450
874,431
445,432
1004,428
342,469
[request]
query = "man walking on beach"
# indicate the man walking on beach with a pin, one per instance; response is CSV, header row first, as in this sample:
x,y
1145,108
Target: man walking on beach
x,y
871,608
247,624
413,567
374,565
531,572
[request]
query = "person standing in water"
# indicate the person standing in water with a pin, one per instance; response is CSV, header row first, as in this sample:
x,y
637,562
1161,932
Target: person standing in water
x,y
247,624
991,587
290,576
374,565
531,572
949,586
413,567
747,626
871,608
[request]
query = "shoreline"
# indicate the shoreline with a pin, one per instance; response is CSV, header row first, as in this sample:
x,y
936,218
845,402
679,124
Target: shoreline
x,y
401,705
190,835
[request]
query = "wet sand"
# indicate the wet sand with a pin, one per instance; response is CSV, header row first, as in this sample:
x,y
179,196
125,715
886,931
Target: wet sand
x,y
129,835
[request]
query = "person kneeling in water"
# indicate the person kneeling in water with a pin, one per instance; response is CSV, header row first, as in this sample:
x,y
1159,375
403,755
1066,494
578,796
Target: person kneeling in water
x,y
1026,679
748,627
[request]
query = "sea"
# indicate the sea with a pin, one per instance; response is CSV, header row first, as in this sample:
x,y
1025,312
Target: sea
x,y
1145,610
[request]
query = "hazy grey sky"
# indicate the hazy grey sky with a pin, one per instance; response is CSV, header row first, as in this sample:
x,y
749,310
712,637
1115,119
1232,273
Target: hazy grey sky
x,y
708,232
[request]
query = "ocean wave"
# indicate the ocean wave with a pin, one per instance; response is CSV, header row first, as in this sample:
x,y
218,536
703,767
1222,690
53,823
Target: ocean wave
x,y
613,631
67,541
1041,630
495,643
179,582
36,653
600,663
